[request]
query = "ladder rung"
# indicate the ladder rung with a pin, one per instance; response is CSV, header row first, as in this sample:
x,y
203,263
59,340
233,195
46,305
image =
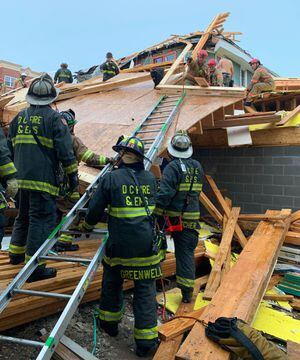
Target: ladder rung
x,y
42,294
65,258
147,139
152,124
148,131
21,341
163,107
170,101
157,117
161,111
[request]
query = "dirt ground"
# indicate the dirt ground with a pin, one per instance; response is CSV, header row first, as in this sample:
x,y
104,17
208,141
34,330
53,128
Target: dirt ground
x,y
79,330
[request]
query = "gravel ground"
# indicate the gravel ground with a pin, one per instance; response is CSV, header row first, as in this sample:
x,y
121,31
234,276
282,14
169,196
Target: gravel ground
x,y
79,330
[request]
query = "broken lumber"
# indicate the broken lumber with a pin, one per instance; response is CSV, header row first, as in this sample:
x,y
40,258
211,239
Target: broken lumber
x,y
210,207
293,350
238,232
289,116
278,297
214,280
238,298
261,217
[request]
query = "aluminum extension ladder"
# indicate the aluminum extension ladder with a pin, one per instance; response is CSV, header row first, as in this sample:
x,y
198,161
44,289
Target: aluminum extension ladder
x,y
152,131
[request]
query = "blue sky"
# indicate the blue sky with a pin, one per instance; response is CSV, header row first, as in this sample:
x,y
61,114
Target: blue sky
x,y
43,33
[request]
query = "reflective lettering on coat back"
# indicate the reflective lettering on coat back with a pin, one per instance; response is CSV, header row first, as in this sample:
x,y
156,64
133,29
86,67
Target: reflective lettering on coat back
x,y
131,194
24,128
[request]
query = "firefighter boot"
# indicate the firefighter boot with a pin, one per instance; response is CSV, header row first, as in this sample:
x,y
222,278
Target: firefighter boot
x,y
42,273
111,328
16,259
187,294
147,351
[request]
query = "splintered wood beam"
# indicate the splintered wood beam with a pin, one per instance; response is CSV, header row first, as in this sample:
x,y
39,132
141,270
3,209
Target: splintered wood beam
x,y
288,117
217,21
214,280
176,64
238,232
241,291
278,297
168,349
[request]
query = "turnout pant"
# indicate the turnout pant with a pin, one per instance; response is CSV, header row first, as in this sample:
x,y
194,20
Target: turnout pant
x,y
2,225
257,89
144,305
34,223
185,242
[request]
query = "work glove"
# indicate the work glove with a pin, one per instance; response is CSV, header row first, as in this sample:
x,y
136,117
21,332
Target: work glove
x,y
11,188
109,160
73,196
73,182
85,227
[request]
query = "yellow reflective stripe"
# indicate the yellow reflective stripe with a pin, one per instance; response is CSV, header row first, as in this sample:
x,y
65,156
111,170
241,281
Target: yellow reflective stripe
x,y
191,215
186,187
88,226
74,195
2,205
86,155
108,71
128,212
110,315
136,141
7,169
184,281
38,186
102,160
146,334
136,262
15,249
29,139
65,238
28,257
71,168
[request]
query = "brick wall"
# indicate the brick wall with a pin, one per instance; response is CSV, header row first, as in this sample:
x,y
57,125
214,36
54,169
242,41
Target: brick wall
x,y
255,178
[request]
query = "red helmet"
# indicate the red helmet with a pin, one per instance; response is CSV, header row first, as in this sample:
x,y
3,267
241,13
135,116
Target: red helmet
x,y
202,53
254,61
211,62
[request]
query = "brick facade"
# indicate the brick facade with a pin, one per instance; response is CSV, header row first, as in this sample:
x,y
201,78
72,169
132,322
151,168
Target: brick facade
x,y
255,178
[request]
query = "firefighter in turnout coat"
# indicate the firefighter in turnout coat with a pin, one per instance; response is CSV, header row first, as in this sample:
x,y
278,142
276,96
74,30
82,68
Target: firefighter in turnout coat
x,y
129,194
178,206
38,139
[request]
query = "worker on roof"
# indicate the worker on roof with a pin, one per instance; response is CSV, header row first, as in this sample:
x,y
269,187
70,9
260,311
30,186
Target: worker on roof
x,y
87,156
177,206
132,251
225,65
39,139
8,181
261,81
196,68
214,74
109,68
63,74
20,82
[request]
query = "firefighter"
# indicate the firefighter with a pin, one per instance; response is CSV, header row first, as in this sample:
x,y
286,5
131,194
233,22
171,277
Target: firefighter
x,y
87,156
63,74
109,68
178,205
131,252
261,81
39,139
8,181
196,68
215,75
20,82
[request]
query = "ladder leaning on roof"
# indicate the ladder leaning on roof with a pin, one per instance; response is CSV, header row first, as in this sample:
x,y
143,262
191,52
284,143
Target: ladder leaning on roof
x,y
152,131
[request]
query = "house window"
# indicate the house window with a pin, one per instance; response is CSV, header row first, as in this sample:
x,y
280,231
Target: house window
x,y
9,80
158,59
